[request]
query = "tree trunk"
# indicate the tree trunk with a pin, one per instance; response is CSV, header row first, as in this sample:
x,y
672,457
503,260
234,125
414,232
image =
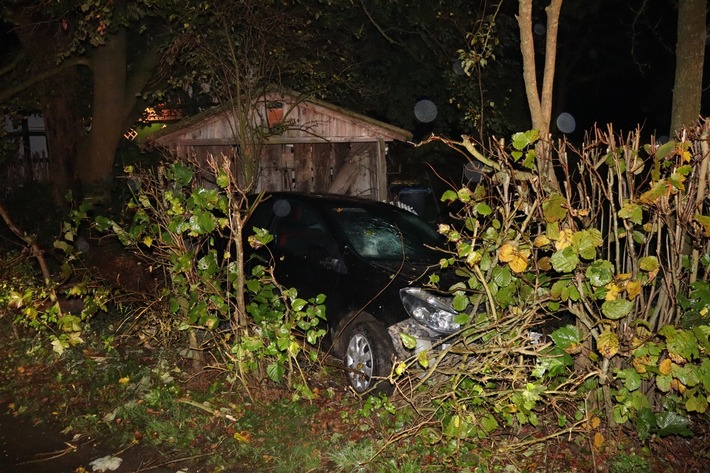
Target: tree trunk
x,y
63,135
540,101
95,164
690,56
57,85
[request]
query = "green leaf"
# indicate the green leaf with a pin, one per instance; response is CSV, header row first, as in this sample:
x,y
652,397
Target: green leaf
x,y
552,231
502,276
408,341
663,382
630,377
298,304
653,195
483,209
553,208
682,343
648,263
639,237
632,212
566,337
460,302
705,374
696,404
276,371
423,359
600,273
489,423
645,423
666,149
670,423
558,288
688,374
702,333
222,179
457,427
180,174
522,140
552,365
704,221
586,243
565,260
617,308
449,196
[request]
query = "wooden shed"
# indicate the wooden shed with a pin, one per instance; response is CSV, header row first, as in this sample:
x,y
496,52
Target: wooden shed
x,y
311,145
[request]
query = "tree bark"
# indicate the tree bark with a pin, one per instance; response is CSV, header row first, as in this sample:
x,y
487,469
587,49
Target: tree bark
x,y
690,56
540,101
95,164
63,135
60,99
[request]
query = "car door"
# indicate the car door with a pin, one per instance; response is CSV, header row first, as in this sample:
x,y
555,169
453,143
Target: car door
x,y
306,253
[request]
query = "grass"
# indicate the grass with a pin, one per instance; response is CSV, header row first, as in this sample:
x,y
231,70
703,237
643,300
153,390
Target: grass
x,y
126,394
132,395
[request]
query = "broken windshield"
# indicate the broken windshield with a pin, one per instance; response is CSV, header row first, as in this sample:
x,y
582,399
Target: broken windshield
x,y
388,234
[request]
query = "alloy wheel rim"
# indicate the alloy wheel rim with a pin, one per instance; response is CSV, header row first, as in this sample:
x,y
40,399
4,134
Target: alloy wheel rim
x,y
359,362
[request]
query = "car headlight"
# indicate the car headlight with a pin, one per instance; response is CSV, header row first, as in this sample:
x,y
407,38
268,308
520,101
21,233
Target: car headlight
x,y
430,310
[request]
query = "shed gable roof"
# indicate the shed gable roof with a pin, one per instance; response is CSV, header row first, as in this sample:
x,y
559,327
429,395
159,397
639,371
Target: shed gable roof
x,y
305,120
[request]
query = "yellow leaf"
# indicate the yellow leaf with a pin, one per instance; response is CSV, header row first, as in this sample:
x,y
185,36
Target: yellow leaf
x,y
520,262
608,344
665,367
148,241
565,239
594,422
598,440
640,364
506,252
541,240
473,258
516,258
633,289
400,368
124,380
612,292
423,359
678,386
243,436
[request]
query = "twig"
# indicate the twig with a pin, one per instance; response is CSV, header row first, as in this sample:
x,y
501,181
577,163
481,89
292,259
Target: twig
x,y
35,251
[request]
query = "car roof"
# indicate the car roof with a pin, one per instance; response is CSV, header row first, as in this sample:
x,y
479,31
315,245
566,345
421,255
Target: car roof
x,y
330,199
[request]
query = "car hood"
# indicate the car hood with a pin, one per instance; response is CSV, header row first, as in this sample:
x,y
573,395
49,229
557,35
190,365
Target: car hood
x,y
415,274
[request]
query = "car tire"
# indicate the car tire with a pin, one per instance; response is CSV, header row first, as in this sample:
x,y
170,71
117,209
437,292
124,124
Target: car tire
x,y
367,354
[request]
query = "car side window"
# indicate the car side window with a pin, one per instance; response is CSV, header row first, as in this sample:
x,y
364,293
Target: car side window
x,y
299,230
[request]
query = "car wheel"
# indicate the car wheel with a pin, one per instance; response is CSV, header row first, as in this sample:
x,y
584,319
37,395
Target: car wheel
x,y
368,357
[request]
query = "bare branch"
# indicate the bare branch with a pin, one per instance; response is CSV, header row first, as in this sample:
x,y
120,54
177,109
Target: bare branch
x,y
48,74
379,28
14,63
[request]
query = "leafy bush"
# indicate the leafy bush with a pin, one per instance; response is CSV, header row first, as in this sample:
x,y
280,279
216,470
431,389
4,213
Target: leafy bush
x,y
194,233
36,304
620,246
